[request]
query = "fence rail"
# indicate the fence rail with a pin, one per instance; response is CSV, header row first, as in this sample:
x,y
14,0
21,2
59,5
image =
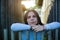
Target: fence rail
x,y
28,35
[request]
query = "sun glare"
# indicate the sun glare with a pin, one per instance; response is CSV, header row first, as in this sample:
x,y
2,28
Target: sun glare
x,y
29,4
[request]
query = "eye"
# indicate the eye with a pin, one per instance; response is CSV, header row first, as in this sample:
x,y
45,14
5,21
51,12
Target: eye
x,y
34,16
28,17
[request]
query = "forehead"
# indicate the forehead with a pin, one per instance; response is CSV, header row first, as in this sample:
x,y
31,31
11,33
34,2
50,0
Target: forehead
x,y
31,13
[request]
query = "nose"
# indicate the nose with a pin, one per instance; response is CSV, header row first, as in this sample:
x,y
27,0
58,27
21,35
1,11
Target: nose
x,y
32,18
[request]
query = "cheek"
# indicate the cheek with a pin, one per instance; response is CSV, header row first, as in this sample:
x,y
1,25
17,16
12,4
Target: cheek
x,y
28,20
36,19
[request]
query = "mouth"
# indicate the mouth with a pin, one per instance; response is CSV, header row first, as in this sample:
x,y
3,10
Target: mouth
x,y
32,22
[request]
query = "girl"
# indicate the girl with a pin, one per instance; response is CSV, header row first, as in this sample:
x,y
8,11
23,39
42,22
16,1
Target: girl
x,y
33,21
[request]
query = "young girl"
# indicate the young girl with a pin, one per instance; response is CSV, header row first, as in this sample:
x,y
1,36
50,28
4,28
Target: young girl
x,y
33,21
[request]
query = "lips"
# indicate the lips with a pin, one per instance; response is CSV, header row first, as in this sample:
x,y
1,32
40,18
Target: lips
x,y
32,22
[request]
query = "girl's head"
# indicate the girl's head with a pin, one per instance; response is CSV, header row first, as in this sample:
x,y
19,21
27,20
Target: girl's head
x,y
32,18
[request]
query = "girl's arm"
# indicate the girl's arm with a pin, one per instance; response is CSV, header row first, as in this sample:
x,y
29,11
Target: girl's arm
x,y
50,26
19,26
53,25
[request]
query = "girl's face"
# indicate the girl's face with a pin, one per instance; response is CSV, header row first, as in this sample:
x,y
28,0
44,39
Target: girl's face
x,y
31,19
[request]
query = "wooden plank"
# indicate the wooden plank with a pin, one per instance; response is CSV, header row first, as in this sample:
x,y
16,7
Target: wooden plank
x,y
12,35
19,34
5,34
38,35
49,35
31,35
56,34
24,35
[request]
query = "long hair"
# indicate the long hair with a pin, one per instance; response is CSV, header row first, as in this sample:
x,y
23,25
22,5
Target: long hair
x,y
38,18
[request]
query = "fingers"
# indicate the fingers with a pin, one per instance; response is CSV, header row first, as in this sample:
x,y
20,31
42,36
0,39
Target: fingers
x,y
34,27
37,28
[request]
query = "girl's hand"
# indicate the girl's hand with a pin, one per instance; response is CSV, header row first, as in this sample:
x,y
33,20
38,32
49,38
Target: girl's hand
x,y
37,28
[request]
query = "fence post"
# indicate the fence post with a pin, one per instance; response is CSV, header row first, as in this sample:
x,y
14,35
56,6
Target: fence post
x,y
49,35
5,34
19,34
12,35
56,34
